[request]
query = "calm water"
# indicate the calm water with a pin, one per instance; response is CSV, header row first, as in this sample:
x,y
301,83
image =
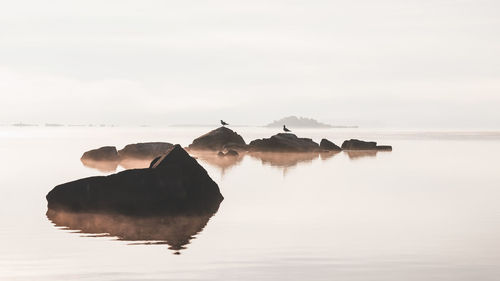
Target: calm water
x,y
426,211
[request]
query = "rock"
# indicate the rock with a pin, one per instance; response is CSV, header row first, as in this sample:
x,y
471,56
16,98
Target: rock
x,y
144,150
384,147
328,145
354,144
218,139
107,153
174,183
284,142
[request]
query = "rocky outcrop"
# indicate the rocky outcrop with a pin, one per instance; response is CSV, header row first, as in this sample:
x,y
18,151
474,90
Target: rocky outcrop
x,y
174,183
219,139
105,153
354,144
144,150
284,142
328,145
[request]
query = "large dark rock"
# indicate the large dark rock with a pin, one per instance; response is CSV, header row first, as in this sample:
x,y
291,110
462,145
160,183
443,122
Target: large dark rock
x,y
284,142
328,145
219,139
354,144
175,183
144,150
105,153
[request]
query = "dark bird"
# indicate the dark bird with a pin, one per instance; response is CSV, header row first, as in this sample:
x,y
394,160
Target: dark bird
x,y
223,123
285,129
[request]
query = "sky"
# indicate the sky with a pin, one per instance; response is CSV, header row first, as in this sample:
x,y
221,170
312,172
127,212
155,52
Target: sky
x,y
388,63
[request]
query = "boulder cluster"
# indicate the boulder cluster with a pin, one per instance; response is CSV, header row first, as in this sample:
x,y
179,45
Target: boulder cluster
x,y
224,139
173,182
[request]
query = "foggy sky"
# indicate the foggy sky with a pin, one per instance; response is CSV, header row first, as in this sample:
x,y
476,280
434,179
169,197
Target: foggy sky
x,y
391,63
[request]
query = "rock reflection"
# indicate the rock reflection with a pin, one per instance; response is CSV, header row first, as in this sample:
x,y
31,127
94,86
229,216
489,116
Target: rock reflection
x,y
112,166
284,160
328,155
357,154
103,166
135,163
224,163
174,230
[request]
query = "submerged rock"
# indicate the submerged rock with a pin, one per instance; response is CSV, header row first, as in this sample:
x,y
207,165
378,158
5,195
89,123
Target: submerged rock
x,y
174,183
219,139
144,150
284,142
328,145
105,153
354,144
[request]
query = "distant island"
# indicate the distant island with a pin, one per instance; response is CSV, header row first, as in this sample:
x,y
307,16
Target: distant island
x,y
302,122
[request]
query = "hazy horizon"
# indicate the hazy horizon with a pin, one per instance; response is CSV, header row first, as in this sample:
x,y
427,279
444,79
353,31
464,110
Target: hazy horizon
x,y
395,64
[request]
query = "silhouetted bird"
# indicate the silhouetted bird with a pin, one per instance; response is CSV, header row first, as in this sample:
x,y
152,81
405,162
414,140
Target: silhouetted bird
x,y
223,123
285,129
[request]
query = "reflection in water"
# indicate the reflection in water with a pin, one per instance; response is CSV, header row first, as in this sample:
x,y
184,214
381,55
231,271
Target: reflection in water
x,y
173,230
356,154
111,166
103,166
284,160
222,162
328,154
135,163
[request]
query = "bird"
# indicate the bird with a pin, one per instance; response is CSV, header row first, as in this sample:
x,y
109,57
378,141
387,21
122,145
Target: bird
x,y
285,129
223,123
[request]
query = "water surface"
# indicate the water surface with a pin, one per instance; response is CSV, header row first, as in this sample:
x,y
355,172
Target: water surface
x,y
428,210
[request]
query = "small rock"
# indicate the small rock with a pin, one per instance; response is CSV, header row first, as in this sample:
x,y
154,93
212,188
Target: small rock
x,y
328,145
218,139
284,142
354,144
146,150
107,153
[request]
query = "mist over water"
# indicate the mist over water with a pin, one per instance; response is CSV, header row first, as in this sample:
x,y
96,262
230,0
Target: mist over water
x,y
427,210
